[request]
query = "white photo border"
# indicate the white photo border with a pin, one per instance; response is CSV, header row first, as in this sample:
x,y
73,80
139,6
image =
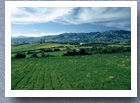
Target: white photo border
x,y
71,93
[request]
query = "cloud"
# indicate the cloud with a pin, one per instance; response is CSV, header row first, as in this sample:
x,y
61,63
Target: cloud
x,y
120,24
36,35
112,17
37,15
119,17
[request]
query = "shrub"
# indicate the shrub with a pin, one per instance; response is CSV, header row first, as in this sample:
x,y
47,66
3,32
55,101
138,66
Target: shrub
x,y
29,52
56,49
104,50
74,52
20,55
48,50
82,52
43,55
70,53
12,57
34,55
48,55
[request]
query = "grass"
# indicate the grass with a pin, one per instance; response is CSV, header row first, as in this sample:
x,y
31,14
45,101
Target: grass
x,y
93,72
57,53
121,45
36,46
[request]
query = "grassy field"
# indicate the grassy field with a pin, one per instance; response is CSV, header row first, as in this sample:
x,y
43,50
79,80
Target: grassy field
x,y
91,72
58,53
36,46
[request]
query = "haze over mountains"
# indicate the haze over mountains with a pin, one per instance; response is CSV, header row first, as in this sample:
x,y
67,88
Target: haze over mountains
x,y
112,36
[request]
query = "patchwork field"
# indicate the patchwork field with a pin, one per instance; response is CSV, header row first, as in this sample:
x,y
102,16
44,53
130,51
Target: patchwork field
x,y
88,72
35,46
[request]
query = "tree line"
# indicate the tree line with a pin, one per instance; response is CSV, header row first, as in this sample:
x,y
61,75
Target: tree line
x,y
74,52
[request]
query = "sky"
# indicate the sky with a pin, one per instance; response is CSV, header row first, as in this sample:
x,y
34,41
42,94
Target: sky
x,y
42,21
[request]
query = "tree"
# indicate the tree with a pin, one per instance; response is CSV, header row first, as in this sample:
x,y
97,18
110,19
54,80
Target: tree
x,y
34,55
29,52
43,55
56,49
20,55
82,51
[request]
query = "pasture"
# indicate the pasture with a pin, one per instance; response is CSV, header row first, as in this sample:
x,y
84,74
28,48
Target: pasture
x,y
87,72
37,46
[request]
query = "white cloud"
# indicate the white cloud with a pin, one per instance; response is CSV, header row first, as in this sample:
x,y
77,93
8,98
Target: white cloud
x,y
122,25
18,11
36,35
113,17
22,16
98,14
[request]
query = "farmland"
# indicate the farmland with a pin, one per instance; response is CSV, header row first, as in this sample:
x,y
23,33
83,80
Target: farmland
x,y
78,48
82,72
35,46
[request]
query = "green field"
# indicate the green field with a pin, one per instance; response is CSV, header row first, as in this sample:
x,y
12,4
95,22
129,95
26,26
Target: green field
x,y
36,46
58,53
88,72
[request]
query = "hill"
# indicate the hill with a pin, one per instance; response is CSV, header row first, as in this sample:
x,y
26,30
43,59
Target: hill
x,y
112,36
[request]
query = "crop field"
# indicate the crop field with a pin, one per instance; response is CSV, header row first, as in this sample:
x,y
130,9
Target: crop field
x,y
88,72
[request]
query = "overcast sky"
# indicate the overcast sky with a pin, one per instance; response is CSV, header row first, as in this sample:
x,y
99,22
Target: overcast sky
x,y
35,21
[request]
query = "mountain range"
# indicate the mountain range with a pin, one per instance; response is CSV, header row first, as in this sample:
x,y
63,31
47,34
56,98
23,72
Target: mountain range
x,y
112,36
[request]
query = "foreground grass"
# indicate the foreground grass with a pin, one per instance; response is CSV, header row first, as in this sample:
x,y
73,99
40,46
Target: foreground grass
x,y
93,72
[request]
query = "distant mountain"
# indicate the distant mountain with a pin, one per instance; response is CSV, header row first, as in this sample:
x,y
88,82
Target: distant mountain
x,y
112,36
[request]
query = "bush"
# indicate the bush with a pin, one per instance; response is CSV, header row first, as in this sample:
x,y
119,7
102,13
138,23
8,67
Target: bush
x,y
20,55
29,52
104,50
12,57
48,55
48,50
34,55
45,50
43,55
70,53
82,52
74,52
56,49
